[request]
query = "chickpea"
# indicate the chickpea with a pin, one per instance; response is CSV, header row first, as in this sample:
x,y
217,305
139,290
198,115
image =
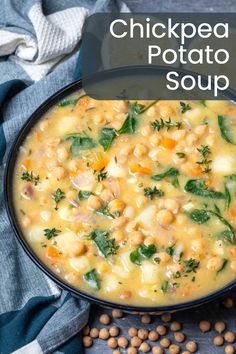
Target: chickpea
x,y
165,342
229,337
140,150
229,349
141,200
104,333
191,346
125,295
215,263
132,331
53,141
62,154
149,241
200,130
180,219
59,172
118,222
172,205
157,350
116,313
79,249
127,150
94,202
174,349
51,164
87,341
153,336
166,317
107,195
164,258
104,319
114,331
204,326
132,350
145,347
109,116
179,337
146,319
25,221
116,206
143,333
154,140
98,119
86,330
165,217
131,226
191,139
136,238
198,246
112,343
123,342
118,235
220,327
218,341
228,303
175,326
146,130
162,330
136,341
94,332
74,165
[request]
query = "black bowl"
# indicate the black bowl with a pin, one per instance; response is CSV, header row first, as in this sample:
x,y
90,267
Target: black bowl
x,y
8,191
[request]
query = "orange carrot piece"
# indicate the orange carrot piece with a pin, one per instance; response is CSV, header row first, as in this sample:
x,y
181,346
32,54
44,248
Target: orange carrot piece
x,y
100,164
141,169
168,143
52,252
26,164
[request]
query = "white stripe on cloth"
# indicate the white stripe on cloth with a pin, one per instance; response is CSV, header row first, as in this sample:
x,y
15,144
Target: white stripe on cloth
x,y
31,348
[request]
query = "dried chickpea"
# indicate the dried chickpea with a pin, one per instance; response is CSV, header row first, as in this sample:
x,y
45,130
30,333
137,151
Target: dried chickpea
x,y
228,303
153,336
114,331
166,317
87,341
104,319
191,346
165,217
94,332
219,327
116,313
218,341
136,341
104,333
94,202
229,337
132,331
174,349
112,343
229,349
116,206
162,330
165,342
146,319
157,350
175,326
86,330
145,347
143,333
204,326
132,350
179,337
123,342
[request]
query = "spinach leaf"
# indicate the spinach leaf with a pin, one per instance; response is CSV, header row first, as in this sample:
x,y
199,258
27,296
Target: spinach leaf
x,y
191,265
106,137
141,253
170,250
82,195
227,197
225,129
105,245
144,109
92,279
80,142
223,266
198,187
70,101
202,102
171,172
104,211
199,216
130,123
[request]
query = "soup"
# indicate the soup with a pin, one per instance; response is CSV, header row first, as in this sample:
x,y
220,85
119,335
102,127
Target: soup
x,y
132,202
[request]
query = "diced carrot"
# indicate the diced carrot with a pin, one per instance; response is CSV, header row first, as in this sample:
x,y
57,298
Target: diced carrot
x,y
168,143
208,183
141,169
83,101
52,252
26,164
232,212
100,164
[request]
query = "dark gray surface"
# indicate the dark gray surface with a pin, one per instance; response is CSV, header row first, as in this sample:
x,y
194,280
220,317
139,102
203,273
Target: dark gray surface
x,y
213,311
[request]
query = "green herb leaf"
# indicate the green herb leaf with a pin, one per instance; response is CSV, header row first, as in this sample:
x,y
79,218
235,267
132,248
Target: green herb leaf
x,y
49,233
29,177
198,187
204,151
152,193
223,266
82,195
102,175
106,137
58,196
227,198
170,250
168,124
191,265
225,129
105,245
141,253
171,172
199,216
165,286
92,279
105,211
184,107
181,155
70,101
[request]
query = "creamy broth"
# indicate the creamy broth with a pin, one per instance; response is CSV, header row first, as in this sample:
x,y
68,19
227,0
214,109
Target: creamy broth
x,y
132,202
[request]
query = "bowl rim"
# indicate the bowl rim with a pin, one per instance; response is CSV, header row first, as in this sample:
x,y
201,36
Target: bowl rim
x,y
9,205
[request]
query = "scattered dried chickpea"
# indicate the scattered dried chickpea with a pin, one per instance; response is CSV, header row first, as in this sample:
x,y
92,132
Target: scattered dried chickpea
x,y
94,332
218,341
204,326
114,331
87,341
165,342
166,317
123,342
228,303
143,333
132,332
179,337
145,347
174,349
112,343
116,351
104,333
104,319
229,349
162,330
191,346
157,350
136,341
132,350
219,327
175,326
146,319
229,337
153,336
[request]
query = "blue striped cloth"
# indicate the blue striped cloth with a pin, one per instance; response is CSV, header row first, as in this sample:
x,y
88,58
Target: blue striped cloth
x,y
38,55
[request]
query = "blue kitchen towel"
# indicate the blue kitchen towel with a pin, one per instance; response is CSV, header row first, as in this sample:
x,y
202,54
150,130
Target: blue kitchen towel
x,y
39,42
